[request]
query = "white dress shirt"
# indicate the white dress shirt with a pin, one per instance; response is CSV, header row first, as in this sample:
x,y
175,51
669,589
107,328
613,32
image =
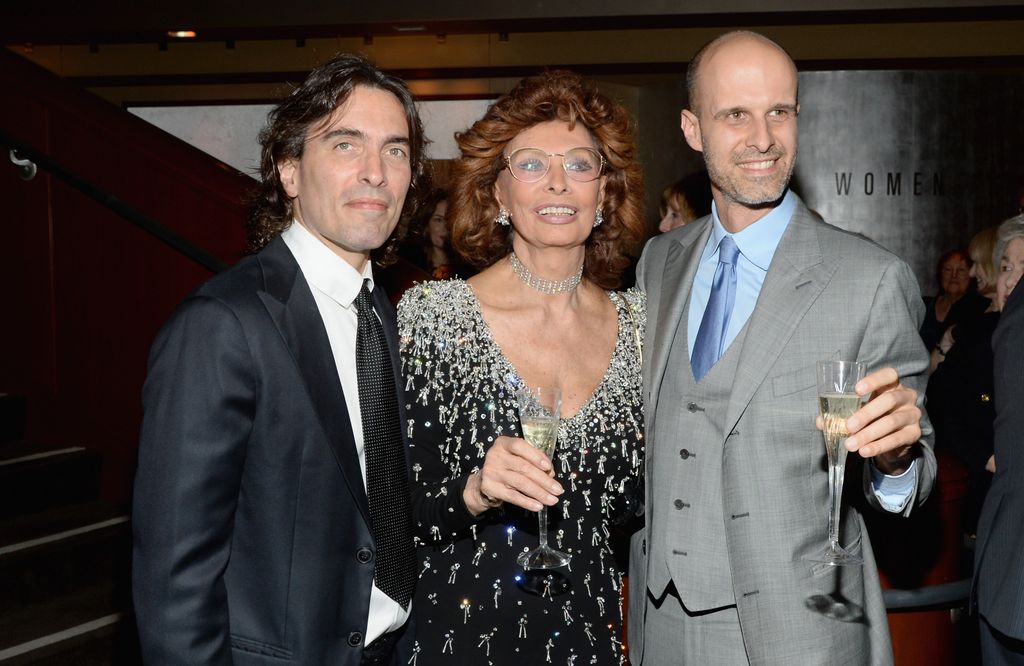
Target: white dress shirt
x,y
335,284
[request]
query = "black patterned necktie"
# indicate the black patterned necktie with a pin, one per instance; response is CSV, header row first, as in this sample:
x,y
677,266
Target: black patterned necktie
x,y
387,484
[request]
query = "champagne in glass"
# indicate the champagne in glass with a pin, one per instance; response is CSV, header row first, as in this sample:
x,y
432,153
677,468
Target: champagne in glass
x,y
837,400
539,410
541,433
835,409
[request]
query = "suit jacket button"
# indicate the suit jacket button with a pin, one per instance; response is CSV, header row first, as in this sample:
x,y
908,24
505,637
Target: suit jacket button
x,y
364,555
679,504
684,454
691,407
355,639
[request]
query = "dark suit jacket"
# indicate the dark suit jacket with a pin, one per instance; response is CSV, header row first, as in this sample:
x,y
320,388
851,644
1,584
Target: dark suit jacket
x,y
252,539
999,552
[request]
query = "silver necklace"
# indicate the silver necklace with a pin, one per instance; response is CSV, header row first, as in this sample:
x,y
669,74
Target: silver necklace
x,y
540,284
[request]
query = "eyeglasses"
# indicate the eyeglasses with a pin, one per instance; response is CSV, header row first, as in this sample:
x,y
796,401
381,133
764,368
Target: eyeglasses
x,y
529,165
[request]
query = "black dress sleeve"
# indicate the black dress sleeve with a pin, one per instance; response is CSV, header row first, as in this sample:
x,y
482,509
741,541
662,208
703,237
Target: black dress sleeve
x,y
437,503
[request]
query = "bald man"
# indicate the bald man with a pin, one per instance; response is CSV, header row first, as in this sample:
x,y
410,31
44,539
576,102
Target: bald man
x,y
741,304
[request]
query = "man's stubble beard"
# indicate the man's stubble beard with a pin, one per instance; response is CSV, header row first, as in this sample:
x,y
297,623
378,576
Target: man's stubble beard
x,y
738,191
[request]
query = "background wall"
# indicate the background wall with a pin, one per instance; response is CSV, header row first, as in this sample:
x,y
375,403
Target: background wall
x,y
919,161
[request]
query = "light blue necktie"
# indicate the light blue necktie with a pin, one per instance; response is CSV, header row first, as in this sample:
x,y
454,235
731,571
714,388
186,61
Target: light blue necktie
x,y
710,343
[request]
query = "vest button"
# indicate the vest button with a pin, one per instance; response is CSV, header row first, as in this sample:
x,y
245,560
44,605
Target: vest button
x,y
691,407
679,504
684,454
355,639
364,555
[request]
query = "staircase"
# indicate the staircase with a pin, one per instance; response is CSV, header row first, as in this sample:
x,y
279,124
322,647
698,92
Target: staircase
x,y
64,555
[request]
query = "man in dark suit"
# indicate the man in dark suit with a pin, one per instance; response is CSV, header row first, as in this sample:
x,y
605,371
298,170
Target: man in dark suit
x,y
271,512
999,566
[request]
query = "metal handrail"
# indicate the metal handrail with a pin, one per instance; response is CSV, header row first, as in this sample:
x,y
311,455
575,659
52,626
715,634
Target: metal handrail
x,y
22,155
932,597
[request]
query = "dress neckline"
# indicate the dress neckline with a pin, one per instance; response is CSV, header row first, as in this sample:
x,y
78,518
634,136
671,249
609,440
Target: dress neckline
x,y
588,405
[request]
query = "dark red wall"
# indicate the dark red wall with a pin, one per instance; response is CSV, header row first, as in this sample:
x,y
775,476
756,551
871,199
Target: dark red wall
x,y
83,291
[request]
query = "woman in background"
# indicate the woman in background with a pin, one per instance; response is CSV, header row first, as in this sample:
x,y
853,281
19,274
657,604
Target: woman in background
x,y
960,392
983,269
430,248
685,200
956,298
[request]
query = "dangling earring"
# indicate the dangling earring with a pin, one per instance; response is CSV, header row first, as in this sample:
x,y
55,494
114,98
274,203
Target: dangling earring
x,y
503,217
598,218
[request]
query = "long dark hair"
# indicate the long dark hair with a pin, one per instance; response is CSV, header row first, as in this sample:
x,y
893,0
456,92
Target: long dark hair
x,y
326,88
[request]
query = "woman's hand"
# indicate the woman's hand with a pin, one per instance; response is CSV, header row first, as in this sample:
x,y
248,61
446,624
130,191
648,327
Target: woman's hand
x,y
514,472
938,355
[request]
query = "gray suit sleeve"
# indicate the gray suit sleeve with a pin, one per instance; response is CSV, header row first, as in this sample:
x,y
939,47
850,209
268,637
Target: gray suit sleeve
x,y
891,339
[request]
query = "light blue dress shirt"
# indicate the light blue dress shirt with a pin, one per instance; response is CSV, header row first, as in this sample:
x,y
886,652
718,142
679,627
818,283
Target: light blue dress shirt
x,y
757,244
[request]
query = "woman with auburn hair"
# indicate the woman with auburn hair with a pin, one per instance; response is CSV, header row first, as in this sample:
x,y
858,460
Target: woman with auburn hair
x,y
546,200
956,299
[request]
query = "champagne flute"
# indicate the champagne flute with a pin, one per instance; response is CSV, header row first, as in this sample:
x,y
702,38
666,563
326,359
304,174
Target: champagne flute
x,y
837,400
539,410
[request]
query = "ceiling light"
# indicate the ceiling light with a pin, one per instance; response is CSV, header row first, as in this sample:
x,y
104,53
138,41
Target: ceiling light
x,y
182,34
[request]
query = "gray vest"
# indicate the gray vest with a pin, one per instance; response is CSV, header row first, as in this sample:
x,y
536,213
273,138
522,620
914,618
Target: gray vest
x,y
688,524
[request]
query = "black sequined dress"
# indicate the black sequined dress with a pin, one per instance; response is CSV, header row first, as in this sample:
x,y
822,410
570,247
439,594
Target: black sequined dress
x,y
474,604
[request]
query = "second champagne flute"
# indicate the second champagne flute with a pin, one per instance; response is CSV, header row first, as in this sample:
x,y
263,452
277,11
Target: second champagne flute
x,y
539,410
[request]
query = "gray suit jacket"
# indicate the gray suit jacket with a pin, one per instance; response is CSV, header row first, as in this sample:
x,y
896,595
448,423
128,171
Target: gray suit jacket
x,y
827,294
999,557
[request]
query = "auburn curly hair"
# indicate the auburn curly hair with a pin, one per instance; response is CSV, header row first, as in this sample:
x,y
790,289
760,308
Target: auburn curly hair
x,y
326,88
554,95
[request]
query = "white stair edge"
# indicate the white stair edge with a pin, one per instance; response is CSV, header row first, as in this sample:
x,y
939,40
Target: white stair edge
x,y
57,637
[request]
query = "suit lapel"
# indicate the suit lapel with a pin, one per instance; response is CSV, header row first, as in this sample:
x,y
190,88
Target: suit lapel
x,y
290,302
795,278
681,262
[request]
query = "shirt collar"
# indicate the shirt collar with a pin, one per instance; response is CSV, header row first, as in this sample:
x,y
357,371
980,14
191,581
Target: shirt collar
x,y
329,273
758,242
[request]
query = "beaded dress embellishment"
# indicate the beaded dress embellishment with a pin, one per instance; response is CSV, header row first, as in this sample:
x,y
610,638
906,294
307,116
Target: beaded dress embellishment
x,y
476,606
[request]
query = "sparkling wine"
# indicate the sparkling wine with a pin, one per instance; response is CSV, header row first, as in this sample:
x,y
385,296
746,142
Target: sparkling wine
x,y
539,409
541,433
835,409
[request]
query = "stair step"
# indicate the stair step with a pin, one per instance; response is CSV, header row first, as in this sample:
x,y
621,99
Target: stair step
x,y
107,641
32,481
61,618
17,530
45,569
